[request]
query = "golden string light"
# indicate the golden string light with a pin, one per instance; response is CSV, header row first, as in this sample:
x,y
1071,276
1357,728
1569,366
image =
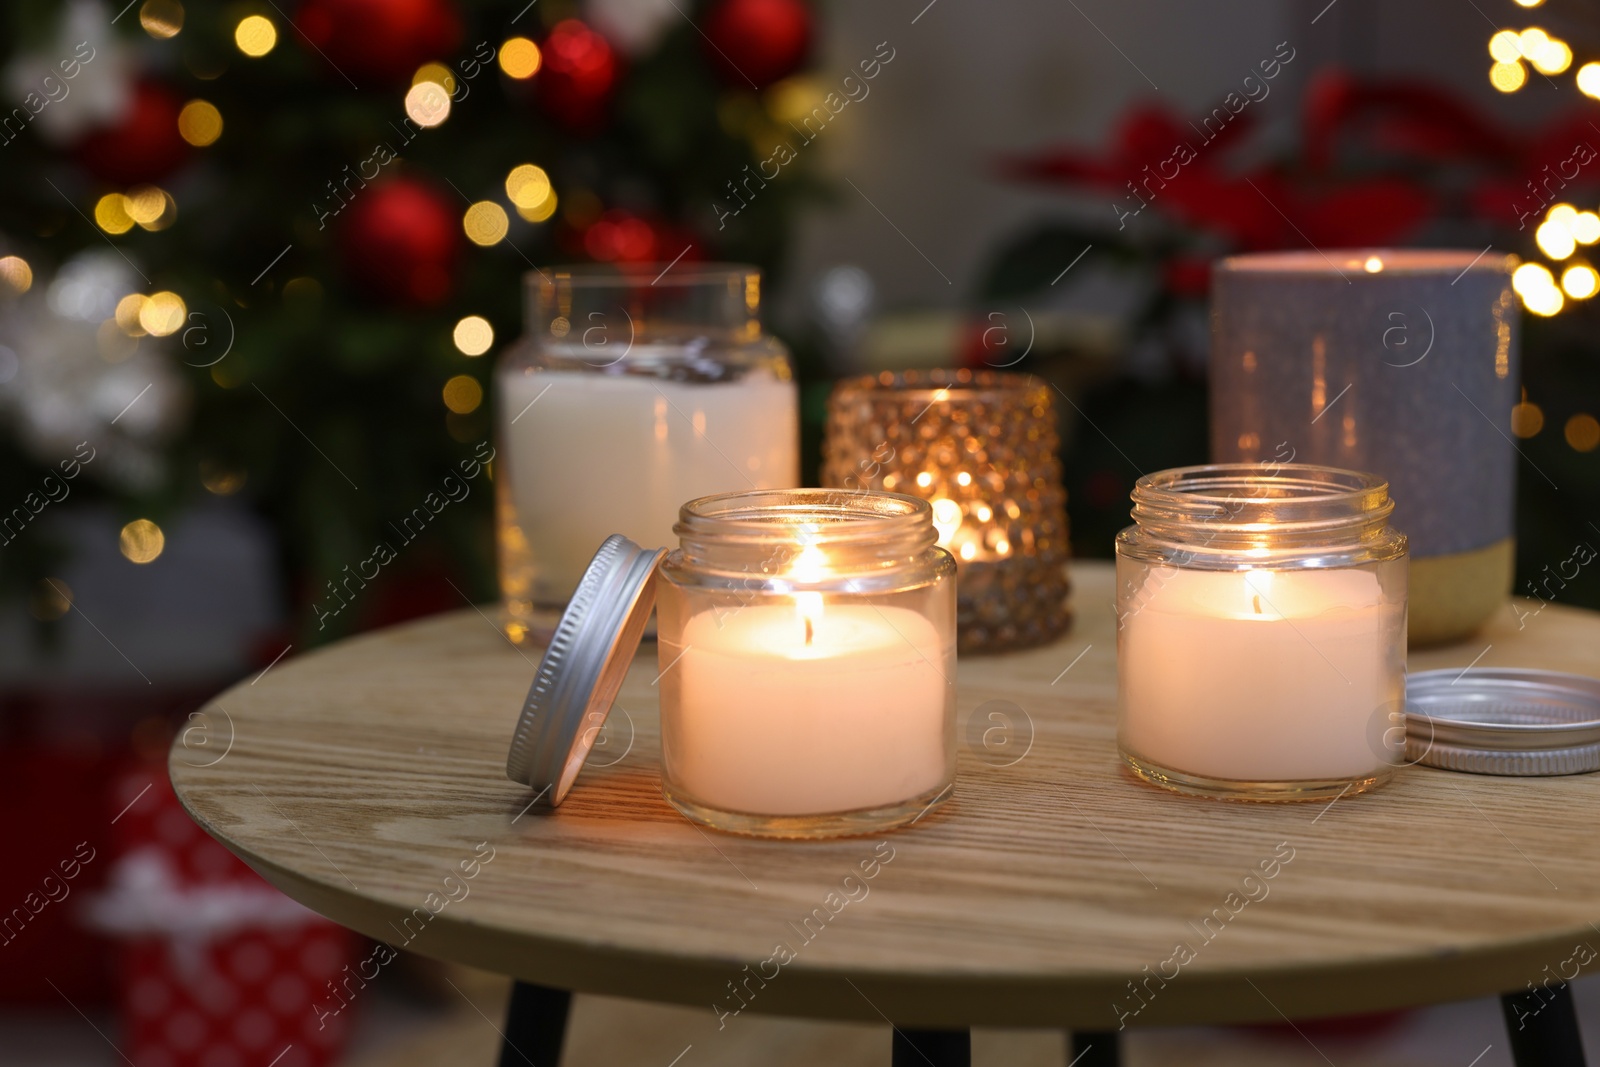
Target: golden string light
x,y
427,104
161,18
255,35
162,314
473,335
141,541
520,58
16,274
463,394
485,223
1582,432
199,123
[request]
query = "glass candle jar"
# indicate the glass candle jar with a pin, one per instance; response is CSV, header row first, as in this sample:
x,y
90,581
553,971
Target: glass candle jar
x,y
1261,632
807,655
633,390
981,447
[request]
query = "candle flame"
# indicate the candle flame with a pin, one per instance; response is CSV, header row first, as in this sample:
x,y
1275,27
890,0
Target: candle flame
x,y
809,566
809,608
1258,584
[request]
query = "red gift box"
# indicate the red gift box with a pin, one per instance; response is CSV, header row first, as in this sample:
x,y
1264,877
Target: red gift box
x,y
218,969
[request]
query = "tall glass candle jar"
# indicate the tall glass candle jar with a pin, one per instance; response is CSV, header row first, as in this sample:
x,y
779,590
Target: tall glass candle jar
x,y
633,390
1261,632
808,662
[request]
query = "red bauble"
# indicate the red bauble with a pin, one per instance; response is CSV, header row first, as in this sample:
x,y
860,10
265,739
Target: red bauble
x,y
578,76
400,241
382,41
143,146
758,41
622,237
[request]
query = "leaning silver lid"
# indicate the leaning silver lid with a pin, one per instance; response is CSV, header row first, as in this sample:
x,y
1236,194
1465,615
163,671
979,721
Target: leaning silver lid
x,y
583,668
1503,720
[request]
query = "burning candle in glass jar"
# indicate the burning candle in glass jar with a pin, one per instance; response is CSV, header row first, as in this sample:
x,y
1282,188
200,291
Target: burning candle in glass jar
x,y
1261,631
804,701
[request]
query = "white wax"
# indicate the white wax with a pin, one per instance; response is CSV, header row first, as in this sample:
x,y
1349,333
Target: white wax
x,y
767,724
599,454
1260,675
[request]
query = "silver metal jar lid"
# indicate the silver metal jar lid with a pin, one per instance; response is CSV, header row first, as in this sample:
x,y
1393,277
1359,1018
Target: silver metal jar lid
x,y
583,668
1504,720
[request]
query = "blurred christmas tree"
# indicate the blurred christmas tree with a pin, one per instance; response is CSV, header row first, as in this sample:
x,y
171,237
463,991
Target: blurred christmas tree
x,y
261,250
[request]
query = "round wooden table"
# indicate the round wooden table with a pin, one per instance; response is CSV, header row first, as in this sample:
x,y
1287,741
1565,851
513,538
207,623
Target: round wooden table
x,y
367,781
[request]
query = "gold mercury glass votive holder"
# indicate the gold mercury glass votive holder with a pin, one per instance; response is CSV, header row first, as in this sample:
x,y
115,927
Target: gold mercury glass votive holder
x,y
981,447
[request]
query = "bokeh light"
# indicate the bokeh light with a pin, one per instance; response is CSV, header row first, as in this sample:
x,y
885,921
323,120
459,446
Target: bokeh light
x,y
1583,432
486,223
1554,239
142,541
1532,41
1526,419
1529,3
1589,79
162,314
255,35
527,186
473,335
1585,226
1544,302
161,18
1504,47
111,213
127,314
427,104
437,73
51,599
463,394
16,274
221,479
144,204
520,58
1580,281
1508,77
199,123
1531,276
1553,58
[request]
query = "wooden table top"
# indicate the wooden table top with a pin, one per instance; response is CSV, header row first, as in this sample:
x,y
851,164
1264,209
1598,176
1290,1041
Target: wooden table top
x,y
364,779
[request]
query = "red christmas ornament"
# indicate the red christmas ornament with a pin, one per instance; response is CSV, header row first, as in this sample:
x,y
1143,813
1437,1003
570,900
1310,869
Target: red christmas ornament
x,y
143,146
758,41
400,241
578,76
382,41
620,236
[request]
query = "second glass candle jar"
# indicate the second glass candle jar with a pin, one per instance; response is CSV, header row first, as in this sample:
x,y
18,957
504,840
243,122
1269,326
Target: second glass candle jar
x,y
1261,632
633,390
807,655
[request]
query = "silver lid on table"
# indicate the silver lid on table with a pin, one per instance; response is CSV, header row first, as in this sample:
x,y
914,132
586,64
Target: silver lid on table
x,y
1503,720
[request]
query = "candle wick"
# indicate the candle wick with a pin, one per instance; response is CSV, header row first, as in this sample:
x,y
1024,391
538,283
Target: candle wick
x,y
1257,599
809,631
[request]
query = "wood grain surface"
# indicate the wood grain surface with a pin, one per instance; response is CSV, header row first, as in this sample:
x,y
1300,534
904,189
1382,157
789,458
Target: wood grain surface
x,y
367,779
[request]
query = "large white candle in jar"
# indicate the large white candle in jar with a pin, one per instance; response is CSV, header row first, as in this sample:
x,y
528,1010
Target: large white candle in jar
x,y
633,390
587,455
807,653
1261,632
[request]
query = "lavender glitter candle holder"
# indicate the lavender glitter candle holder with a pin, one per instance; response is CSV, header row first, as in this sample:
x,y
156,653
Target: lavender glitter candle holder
x,y
1402,363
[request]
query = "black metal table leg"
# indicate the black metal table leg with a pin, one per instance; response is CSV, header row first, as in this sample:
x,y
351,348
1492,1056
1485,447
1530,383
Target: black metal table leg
x,y
1543,1026
938,1048
536,1025
1096,1048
